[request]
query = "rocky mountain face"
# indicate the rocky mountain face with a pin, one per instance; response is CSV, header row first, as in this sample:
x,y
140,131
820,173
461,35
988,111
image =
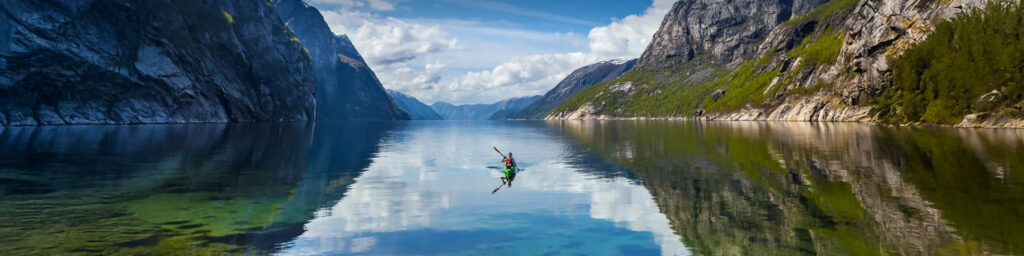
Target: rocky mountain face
x,y
815,61
416,109
717,31
576,81
346,87
149,61
495,111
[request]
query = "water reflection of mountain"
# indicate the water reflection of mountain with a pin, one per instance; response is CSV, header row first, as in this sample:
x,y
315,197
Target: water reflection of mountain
x,y
157,188
796,188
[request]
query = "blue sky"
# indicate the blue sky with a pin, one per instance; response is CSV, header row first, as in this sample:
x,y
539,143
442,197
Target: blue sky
x,y
482,51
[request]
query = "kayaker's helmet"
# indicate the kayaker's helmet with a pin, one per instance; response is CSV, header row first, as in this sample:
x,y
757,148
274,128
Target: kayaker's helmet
x,y
509,154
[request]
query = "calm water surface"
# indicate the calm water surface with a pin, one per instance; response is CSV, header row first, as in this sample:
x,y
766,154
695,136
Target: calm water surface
x,y
591,188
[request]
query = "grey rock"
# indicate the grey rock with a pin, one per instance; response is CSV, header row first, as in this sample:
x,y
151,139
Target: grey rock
x,y
346,87
149,61
702,33
718,31
992,96
578,80
718,94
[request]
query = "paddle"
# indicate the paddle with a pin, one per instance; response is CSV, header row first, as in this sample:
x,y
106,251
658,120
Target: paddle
x,y
499,187
499,152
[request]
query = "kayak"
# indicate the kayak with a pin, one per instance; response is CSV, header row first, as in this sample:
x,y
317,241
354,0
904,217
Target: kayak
x,y
510,172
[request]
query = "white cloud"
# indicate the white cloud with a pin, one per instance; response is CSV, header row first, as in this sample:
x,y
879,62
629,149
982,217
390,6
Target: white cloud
x,y
386,40
405,78
341,3
629,36
379,5
513,9
382,5
521,76
461,61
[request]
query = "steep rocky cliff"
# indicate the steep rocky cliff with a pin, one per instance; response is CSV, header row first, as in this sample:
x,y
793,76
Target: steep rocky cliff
x,y
498,110
346,87
729,61
149,61
576,81
717,31
416,109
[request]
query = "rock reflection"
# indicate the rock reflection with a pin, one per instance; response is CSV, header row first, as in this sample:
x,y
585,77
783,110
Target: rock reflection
x,y
160,189
800,188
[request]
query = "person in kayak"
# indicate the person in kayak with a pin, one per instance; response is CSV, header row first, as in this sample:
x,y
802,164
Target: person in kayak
x,y
510,169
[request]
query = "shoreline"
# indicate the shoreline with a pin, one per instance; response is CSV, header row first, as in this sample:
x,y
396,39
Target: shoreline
x,y
1006,123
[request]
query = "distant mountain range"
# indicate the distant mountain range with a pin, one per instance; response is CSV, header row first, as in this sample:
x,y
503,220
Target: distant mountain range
x,y
416,109
498,110
576,81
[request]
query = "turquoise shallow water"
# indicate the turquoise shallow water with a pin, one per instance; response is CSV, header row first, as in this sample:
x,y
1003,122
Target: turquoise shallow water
x,y
587,188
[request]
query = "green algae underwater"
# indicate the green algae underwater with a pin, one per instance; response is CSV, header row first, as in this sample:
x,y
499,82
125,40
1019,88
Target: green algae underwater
x,y
594,187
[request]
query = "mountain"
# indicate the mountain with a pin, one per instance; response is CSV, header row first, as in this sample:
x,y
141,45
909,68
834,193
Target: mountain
x,y
809,60
149,61
346,87
498,110
576,81
416,109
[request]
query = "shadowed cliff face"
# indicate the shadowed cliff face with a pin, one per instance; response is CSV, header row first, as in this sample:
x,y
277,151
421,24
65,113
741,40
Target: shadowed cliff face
x,y
143,190
795,188
346,87
115,62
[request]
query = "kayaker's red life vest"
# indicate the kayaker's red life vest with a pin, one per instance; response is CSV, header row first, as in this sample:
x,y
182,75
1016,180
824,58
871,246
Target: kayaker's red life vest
x,y
510,162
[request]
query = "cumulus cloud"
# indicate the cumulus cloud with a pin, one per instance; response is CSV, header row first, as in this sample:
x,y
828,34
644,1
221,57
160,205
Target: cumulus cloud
x,y
382,5
432,59
521,76
386,40
408,79
535,74
513,9
627,37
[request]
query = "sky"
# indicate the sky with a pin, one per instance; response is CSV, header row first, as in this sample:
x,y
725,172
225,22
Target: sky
x,y
484,51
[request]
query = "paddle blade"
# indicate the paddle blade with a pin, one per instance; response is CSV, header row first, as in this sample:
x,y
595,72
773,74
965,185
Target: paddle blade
x,y
496,150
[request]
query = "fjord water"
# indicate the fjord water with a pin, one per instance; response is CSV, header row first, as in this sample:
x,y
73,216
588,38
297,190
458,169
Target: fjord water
x,y
592,188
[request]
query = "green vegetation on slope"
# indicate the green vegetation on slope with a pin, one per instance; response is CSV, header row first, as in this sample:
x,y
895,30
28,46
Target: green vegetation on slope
x,y
824,50
824,12
662,93
687,88
942,79
746,85
228,18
